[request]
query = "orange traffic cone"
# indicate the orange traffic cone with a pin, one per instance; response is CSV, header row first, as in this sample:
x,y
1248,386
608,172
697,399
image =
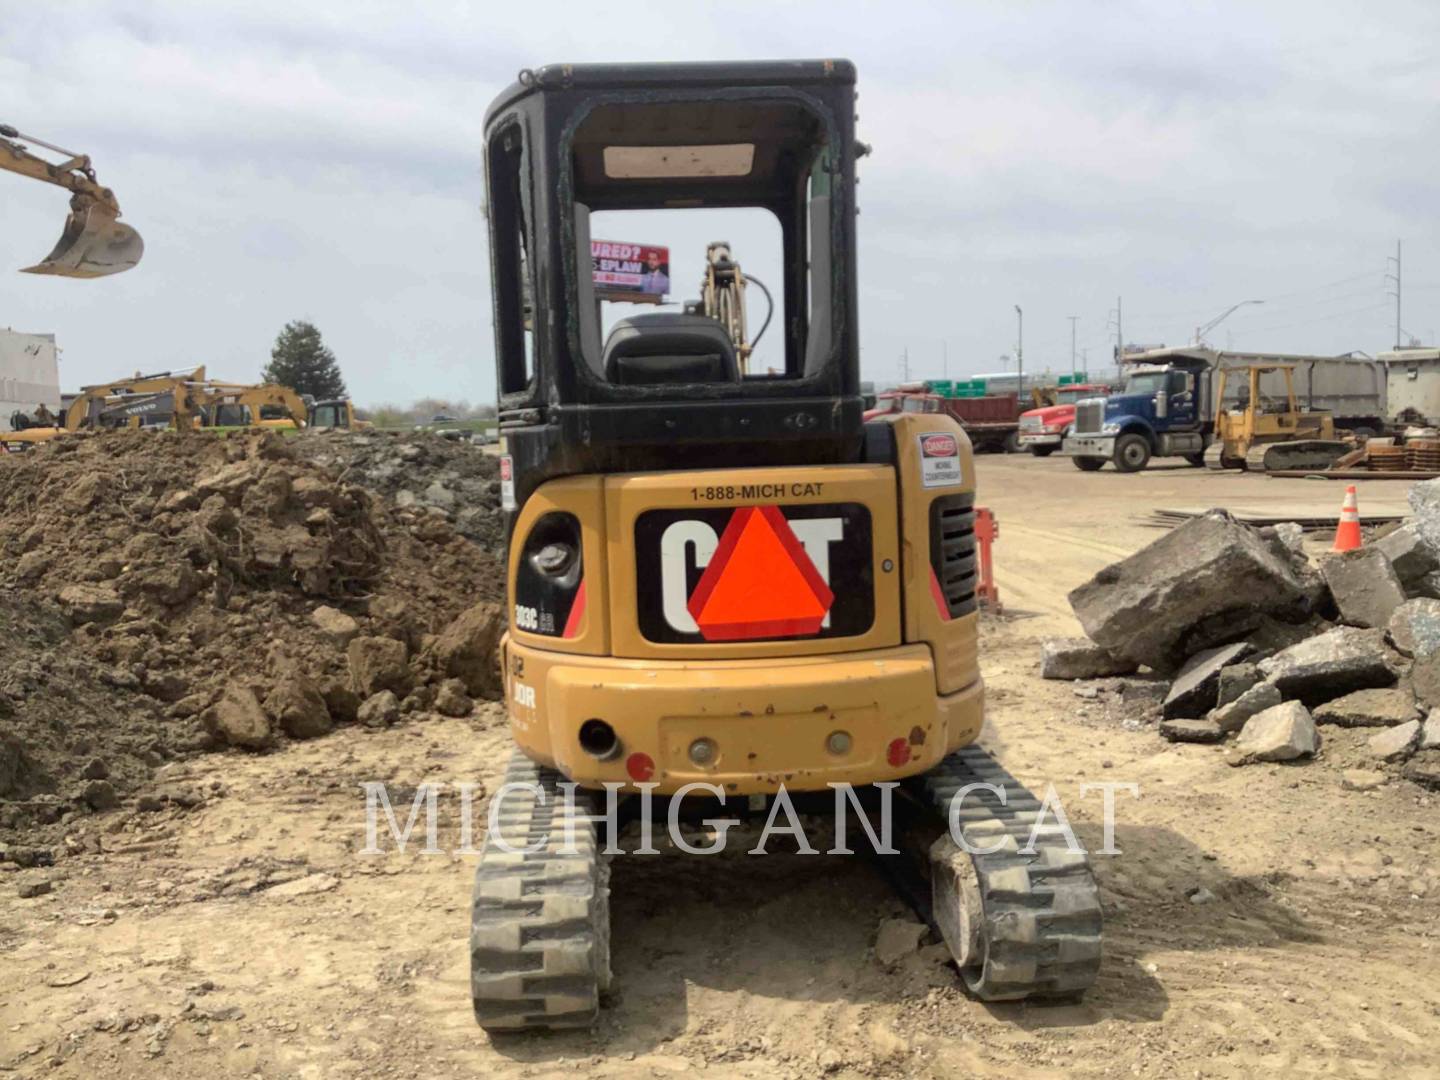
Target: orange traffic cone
x,y
1347,533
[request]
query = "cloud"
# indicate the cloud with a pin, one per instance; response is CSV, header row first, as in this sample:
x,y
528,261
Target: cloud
x,y
323,161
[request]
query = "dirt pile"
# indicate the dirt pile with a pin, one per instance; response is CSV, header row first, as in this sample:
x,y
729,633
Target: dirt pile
x,y
452,480
166,594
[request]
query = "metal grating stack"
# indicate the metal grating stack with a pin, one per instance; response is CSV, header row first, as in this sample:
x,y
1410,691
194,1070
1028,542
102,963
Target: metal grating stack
x,y
1386,457
1423,455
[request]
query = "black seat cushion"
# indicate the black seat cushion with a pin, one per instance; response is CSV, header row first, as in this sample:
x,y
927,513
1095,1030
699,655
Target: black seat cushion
x,y
667,347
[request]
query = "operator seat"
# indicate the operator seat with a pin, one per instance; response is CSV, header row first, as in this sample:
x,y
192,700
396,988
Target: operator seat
x,y
667,347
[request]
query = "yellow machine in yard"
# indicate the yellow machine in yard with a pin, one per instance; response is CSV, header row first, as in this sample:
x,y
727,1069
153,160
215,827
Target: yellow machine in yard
x,y
1262,433
338,413
718,577
181,401
93,242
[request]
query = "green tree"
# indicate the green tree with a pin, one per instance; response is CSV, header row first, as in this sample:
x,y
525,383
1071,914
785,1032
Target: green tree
x,y
301,361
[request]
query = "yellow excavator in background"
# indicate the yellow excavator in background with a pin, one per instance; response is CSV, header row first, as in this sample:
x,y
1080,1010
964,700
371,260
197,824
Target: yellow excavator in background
x,y
232,405
93,243
180,400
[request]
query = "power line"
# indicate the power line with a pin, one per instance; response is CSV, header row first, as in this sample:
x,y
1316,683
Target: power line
x,y
1318,319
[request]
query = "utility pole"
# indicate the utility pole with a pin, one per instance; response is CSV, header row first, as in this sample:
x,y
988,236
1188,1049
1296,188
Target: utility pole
x,y
944,359
1395,277
1073,320
1019,350
1119,336
905,365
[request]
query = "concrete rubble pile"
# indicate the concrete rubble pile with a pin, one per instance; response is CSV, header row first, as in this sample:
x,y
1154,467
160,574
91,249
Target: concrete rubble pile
x,y
1259,649
424,476
163,595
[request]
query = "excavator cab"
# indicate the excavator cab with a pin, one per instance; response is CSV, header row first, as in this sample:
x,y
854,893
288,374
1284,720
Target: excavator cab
x,y
717,572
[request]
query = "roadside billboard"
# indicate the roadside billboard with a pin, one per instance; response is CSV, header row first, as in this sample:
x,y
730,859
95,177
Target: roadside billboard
x,y
639,273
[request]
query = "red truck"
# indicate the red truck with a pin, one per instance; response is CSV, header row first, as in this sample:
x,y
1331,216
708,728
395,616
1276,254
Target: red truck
x,y
1042,430
992,422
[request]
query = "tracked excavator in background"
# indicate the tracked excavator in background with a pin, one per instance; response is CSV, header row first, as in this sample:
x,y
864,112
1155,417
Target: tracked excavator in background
x,y
1262,434
722,298
180,400
720,578
93,243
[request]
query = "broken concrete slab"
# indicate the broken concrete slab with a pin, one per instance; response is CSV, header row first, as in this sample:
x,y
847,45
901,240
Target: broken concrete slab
x,y
1414,628
1080,658
1235,679
1425,680
1363,779
1282,733
1195,689
1290,535
1425,502
1365,586
1429,734
1336,662
1232,715
1411,557
1397,743
897,939
1212,566
1424,769
1196,731
1143,691
1370,708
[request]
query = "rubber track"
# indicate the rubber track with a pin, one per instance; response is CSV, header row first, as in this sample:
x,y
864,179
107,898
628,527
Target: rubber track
x,y
539,922
1042,910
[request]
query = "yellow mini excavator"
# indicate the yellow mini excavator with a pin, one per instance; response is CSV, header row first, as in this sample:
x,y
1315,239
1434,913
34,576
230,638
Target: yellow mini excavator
x,y
93,242
721,578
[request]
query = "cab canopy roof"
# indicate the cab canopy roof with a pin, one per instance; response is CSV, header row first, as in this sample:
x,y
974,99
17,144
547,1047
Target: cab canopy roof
x,y
694,134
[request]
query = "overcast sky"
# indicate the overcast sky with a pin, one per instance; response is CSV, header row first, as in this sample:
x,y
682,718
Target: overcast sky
x,y
321,160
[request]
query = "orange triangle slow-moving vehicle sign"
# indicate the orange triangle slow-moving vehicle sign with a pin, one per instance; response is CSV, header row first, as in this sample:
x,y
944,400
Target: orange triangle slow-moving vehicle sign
x,y
760,583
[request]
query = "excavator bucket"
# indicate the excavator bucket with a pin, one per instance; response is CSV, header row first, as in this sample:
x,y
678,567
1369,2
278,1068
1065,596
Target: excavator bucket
x,y
93,244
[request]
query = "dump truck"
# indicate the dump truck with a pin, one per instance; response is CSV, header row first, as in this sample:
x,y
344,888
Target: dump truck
x,y
992,421
1167,406
1043,429
725,579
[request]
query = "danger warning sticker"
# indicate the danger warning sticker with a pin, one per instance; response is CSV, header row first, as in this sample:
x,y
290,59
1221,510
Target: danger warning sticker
x,y
939,460
507,483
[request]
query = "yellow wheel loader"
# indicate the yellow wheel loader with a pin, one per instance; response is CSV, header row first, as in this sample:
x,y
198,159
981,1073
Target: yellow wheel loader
x,y
717,577
1262,433
93,243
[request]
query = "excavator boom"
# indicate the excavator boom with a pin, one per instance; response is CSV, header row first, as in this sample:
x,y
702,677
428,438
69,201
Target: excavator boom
x,y
93,243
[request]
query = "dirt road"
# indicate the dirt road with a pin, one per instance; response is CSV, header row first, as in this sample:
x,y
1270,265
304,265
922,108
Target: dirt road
x,y
248,937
